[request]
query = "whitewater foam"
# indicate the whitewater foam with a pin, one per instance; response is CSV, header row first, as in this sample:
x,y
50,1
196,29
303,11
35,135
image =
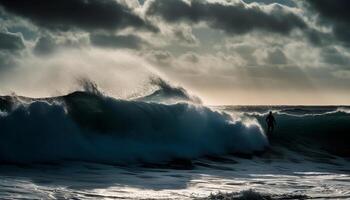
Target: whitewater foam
x,y
3,114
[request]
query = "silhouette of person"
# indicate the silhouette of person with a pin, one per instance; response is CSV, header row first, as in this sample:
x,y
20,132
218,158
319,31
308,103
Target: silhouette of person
x,y
270,120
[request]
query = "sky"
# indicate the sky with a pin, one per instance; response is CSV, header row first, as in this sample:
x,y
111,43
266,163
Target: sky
x,y
227,52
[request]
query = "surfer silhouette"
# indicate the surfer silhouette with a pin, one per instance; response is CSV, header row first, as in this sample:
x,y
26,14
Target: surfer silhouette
x,y
270,120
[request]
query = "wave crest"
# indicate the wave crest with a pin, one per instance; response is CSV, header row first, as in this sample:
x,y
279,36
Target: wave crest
x,y
169,94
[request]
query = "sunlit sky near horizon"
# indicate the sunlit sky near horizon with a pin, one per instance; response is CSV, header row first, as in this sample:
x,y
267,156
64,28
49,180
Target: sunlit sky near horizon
x,y
224,51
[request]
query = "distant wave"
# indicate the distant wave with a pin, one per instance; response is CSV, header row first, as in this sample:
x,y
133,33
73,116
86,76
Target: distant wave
x,y
309,130
327,131
87,126
297,112
306,112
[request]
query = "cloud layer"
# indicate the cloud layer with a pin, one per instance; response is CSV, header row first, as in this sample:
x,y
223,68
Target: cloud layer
x,y
65,15
226,51
236,17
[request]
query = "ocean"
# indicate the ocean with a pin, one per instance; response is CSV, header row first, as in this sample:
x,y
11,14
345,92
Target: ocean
x,y
91,146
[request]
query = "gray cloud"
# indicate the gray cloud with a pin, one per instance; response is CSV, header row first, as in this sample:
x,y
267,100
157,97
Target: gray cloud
x,y
87,15
50,43
190,57
332,55
276,57
335,13
7,61
10,46
185,35
246,52
232,18
45,45
16,25
161,55
117,41
11,42
160,58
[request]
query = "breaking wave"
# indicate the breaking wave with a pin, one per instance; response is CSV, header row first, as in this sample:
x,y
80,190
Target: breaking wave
x,y
86,126
168,124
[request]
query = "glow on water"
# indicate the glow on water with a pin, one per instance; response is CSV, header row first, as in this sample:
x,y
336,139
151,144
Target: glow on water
x,y
90,181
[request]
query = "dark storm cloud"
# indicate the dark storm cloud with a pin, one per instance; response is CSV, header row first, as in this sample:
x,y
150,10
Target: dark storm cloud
x,y
10,42
117,41
332,55
232,18
334,9
10,45
14,25
87,15
335,13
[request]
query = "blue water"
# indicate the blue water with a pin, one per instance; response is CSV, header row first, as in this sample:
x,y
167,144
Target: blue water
x,y
89,146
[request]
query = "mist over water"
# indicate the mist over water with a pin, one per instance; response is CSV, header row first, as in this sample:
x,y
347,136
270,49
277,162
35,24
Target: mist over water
x,y
119,74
